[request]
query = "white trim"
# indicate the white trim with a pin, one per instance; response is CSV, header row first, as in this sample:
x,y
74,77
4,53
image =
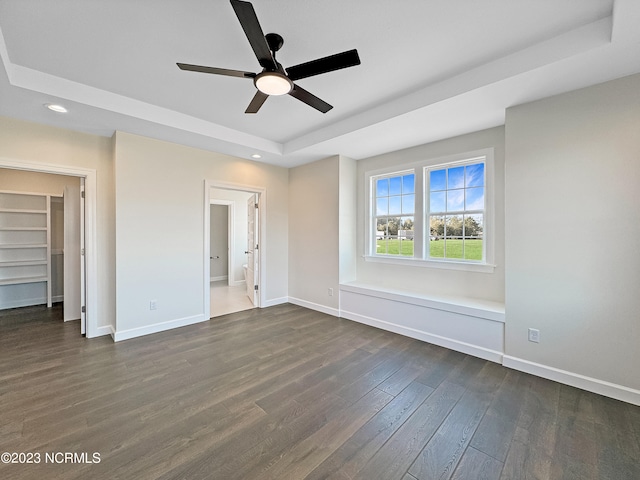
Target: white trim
x,y
601,387
443,264
475,350
221,277
91,256
315,306
25,302
275,301
484,309
104,330
157,327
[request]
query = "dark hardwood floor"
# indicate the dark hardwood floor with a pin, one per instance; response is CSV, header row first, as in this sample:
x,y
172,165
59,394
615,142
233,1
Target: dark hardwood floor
x,y
289,393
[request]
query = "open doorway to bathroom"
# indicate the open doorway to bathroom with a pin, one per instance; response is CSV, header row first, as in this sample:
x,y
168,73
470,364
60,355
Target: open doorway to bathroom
x,y
233,255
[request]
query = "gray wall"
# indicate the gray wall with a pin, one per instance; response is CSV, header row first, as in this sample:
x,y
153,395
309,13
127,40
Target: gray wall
x,y
573,231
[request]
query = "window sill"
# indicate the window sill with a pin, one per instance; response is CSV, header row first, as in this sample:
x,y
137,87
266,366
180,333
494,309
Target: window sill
x,y
441,264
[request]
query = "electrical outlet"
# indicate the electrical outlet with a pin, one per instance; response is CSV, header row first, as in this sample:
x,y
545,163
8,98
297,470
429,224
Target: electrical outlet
x,y
534,335
331,292
153,305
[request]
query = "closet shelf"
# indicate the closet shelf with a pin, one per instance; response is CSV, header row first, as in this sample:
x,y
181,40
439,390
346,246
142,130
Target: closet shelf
x,y
23,263
20,210
25,246
23,229
19,280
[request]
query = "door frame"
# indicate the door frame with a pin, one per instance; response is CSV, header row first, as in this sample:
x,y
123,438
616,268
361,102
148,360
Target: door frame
x,y
262,211
91,250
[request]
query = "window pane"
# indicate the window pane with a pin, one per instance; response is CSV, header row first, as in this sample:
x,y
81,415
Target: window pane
x,y
405,236
395,186
382,206
382,187
473,236
437,201
455,200
474,175
408,204
453,241
381,235
438,180
395,205
455,177
408,184
474,198
393,245
436,234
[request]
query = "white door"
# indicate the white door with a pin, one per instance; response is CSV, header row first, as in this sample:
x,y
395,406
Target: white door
x,y
252,250
72,264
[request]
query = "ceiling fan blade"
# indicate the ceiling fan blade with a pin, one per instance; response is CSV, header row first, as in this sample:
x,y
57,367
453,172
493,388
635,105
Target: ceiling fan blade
x,y
256,102
310,99
214,70
346,59
251,26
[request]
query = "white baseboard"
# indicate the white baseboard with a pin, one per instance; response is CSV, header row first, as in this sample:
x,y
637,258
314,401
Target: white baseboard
x,y
220,278
458,346
120,335
26,302
275,301
601,387
315,306
102,331
57,298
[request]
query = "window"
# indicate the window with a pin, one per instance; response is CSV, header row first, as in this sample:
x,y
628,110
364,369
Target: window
x,y
394,216
456,212
433,213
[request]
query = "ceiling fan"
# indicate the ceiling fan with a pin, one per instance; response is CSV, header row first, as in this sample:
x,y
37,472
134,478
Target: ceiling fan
x,y
274,79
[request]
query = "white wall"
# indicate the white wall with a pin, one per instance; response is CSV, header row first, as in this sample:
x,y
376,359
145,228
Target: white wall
x,y
313,234
43,145
347,218
160,236
219,237
573,232
434,281
239,200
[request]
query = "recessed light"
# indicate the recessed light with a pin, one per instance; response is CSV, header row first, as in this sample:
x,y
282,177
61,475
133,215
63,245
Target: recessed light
x,y
256,155
56,108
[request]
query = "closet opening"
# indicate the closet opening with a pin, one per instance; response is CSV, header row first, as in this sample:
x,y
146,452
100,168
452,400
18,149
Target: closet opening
x,y
43,253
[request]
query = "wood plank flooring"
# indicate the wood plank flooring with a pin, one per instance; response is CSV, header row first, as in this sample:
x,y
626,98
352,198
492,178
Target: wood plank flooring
x,y
289,393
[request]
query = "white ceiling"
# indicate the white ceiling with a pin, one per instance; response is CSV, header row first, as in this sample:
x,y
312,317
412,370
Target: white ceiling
x,y
431,69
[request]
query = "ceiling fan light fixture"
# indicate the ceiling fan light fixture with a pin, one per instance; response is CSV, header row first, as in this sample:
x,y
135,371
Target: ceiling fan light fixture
x,y
273,83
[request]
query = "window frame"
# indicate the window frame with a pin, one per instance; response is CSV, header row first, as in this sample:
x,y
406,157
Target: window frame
x,y
420,170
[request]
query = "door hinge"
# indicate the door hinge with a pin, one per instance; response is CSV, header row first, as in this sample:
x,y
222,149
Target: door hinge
x,y
82,251
255,205
255,287
82,193
256,246
83,309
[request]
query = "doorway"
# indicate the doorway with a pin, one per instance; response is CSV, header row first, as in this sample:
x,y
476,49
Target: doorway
x,y
86,231
233,229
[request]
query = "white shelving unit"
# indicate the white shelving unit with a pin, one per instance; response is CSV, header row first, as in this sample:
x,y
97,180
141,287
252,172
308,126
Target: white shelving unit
x,y
25,249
